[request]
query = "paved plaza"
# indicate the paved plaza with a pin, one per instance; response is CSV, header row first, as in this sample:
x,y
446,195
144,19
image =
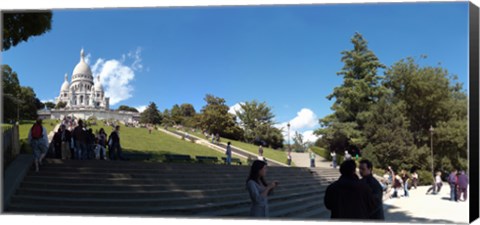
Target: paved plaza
x,y
418,208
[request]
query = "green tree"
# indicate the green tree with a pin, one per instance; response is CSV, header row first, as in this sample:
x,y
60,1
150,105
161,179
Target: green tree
x,y
49,105
360,89
216,119
30,103
60,105
151,114
19,27
390,143
298,142
176,114
432,97
187,110
256,119
426,92
127,108
11,93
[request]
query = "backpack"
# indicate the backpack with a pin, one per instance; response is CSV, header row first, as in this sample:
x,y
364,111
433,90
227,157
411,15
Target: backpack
x,y
37,131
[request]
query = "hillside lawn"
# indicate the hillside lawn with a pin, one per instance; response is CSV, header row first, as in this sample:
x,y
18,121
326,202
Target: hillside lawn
x,y
269,153
138,140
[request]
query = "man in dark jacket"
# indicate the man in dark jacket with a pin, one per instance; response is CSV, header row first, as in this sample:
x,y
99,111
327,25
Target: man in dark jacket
x,y
61,141
115,150
79,136
366,168
348,197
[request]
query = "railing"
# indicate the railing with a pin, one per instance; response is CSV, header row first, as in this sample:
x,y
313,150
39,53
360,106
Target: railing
x,y
11,144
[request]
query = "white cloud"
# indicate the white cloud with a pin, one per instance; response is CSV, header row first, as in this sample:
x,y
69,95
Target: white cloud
x,y
141,108
87,58
48,100
305,119
235,108
116,75
309,136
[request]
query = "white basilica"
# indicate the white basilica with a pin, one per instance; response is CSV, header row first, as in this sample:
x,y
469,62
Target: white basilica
x,y
83,92
85,98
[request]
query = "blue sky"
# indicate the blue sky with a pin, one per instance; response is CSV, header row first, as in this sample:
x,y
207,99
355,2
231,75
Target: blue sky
x,y
287,56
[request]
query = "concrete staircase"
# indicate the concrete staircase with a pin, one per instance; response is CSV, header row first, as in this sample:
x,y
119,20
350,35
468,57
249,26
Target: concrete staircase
x,y
166,189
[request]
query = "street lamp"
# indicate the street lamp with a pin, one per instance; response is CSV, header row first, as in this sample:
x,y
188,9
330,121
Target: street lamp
x,y
288,125
431,146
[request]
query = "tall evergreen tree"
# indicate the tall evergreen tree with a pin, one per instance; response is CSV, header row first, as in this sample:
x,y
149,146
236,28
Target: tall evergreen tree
x,y
360,89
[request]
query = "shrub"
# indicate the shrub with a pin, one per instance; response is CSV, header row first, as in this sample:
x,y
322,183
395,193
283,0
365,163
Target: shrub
x,y
424,177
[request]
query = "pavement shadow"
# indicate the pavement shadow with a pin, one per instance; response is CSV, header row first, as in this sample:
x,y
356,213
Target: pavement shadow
x,y
399,216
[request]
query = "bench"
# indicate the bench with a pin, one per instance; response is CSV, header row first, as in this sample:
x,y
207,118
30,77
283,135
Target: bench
x,y
137,156
234,160
177,158
206,159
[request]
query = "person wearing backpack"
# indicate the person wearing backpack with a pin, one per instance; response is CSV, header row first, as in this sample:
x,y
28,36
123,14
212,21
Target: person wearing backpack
x,y
38,139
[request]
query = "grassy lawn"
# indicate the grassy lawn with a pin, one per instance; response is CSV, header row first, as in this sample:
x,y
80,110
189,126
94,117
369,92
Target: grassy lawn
x,y
26,125
6,126
138,140
269,153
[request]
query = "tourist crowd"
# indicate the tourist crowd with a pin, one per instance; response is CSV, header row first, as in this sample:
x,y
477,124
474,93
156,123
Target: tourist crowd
x,y
74,141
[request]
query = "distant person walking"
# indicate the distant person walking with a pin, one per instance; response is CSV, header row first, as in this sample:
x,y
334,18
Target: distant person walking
x,y
38,139
79,136
347,156
366,168
334,159
258,189
260,151
462,185
437,184
229,153
415,179
453,182
348,197
115,150
312,159
405,180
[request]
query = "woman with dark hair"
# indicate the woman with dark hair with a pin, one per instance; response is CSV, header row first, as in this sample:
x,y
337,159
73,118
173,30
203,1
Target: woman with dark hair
x,y
102,144
258,189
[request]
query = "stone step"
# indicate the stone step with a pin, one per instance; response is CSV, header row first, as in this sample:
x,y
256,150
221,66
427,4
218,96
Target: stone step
x,y
104,174
176,180
184,210
149,165
159,171
315,213
279,207
299,205
163,191
136,187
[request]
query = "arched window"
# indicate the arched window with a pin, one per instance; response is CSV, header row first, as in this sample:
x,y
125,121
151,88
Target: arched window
x,y
81,99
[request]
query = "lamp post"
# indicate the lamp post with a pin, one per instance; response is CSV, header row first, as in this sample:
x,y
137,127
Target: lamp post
x,y
288,125
431,146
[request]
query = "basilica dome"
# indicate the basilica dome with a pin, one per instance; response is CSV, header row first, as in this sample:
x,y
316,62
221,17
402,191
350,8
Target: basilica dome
x,y
65,85
82,70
